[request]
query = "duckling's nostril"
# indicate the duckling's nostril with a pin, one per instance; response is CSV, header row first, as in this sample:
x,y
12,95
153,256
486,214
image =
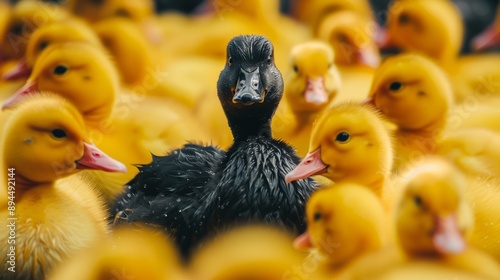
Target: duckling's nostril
x,y
309,161
97,155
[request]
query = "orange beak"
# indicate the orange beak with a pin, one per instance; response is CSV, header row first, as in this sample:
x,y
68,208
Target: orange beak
x,y
27,89
309,166
447,238
303,242
21,70
93,158
488,39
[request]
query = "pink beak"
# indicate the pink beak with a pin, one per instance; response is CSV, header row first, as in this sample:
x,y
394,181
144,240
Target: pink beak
x,y
93,158
303,242
368,57
447,238
315,92
384,40
27,89
21,70
488,39
309,166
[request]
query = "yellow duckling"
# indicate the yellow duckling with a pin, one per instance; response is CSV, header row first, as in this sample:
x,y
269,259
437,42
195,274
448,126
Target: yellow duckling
x,y
435,29
433,218
248,252
415,94
350,37
312,12
119,121
27,16
490,37
349,143
344,223
50,218
51,34
132,253
312,83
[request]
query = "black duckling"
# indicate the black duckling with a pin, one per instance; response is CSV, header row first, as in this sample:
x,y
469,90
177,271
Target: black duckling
x,y
198,190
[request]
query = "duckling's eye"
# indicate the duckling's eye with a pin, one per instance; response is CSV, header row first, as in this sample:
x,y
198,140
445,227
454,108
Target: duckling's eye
x,y
58,133
404,19
230,61
317,216
122,13
395,86
97,2
269,60
60,70
296,68
42,45
418,200
342,38
343,137
17,29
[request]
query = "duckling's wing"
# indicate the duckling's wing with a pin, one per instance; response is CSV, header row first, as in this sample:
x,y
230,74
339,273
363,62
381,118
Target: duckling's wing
x,y
167,191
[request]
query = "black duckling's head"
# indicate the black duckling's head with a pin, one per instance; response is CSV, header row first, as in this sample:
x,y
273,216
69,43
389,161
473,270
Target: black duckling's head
x,y
250,86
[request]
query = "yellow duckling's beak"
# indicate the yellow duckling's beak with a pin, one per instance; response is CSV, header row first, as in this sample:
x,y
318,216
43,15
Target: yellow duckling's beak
x,y
309,166
93,158
29,88
21,70
315,92
488,39
303,242
446,237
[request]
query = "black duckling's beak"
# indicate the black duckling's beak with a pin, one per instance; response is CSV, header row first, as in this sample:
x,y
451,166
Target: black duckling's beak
x,y
249,88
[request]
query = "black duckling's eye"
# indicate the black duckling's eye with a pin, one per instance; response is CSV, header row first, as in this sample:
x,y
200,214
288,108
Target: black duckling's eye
x,y
97,2
341,37
418,201
317,216
58,133
404,19
343,137
296,68
395,86
17,29
60,70
230,61
42,45
269,60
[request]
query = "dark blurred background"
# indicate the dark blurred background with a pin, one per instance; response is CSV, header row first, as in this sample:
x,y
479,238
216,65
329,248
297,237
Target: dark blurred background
x,y
477,14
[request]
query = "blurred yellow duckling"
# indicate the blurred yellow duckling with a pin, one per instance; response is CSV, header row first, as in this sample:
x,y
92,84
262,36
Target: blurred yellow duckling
x,y
435,29
434,218
26,17
133,253
344,223
47,35
44,140
312,12
247,252
490,37
476,156
352,41
128,126
311,84
415,94
349,143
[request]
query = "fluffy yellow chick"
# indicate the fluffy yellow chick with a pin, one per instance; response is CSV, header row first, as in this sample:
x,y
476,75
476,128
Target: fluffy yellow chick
x,y
349,143
312,12
311,84
27,16
248,252
435,29
133,253
344,223
49,218
415,94
434,218
351,39
51,34
490,37
128,126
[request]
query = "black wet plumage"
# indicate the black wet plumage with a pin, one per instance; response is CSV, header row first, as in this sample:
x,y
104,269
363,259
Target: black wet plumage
x,y
198,191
